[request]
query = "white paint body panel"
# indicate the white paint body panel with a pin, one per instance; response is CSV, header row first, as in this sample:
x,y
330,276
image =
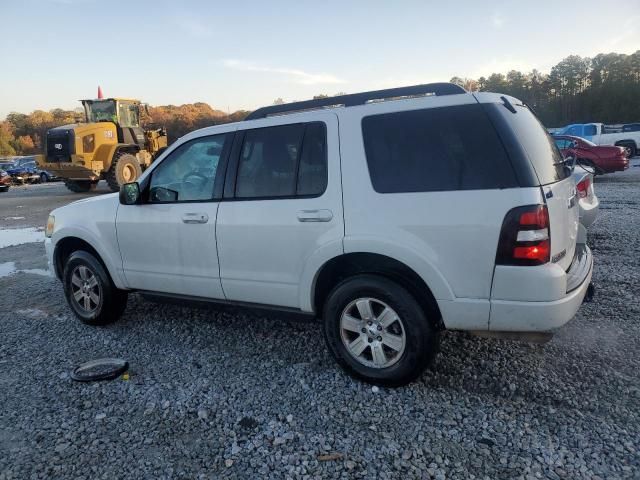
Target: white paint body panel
x,y
258,251
161,253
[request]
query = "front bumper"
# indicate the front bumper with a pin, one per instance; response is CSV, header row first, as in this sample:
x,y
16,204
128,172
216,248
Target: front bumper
x,y
544,316
48,247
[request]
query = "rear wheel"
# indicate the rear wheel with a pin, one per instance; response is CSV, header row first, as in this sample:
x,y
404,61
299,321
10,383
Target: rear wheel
x,y
125,168
44,178
377,331
80,186
90,293
629,148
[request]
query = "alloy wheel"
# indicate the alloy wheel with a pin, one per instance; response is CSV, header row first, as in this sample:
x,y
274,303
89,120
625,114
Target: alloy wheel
x,y
372,332
85,289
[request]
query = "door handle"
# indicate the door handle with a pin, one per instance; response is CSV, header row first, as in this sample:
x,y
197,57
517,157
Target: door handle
x,y
195,218
315,215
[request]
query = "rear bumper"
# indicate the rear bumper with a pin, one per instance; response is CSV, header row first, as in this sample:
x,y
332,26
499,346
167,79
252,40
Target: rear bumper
x,y
544,316
588,211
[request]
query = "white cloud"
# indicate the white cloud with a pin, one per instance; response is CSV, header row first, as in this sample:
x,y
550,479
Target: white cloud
x,y
497,20
294,75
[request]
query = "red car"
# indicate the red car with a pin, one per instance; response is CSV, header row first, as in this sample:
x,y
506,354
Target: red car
x,y
603,158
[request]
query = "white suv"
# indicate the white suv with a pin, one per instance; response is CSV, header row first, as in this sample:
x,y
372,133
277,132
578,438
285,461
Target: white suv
x,y
390,215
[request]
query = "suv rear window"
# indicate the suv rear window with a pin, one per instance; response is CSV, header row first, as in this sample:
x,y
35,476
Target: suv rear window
x,y
539,146
437,149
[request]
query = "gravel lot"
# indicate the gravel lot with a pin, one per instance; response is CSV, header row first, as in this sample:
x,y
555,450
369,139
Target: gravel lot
x,y
230,394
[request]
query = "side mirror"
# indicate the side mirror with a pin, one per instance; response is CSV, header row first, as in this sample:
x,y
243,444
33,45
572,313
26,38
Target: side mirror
x,y
130,194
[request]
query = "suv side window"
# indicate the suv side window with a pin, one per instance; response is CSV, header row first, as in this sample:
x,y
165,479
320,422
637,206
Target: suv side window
x,y
437,149
590,130
189,172
283,161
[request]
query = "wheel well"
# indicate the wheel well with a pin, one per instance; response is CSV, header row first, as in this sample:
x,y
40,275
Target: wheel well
x,y
132,149
339,268
629,141
65,247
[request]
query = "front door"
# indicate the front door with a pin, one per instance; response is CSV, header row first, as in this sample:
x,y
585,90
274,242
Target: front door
x,y
168,243
284,205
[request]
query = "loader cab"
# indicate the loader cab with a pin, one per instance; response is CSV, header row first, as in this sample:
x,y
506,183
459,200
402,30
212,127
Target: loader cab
x,y
124,113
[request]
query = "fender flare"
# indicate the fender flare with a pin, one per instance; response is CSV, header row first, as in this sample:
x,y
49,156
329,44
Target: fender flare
x,y
422,267
113,265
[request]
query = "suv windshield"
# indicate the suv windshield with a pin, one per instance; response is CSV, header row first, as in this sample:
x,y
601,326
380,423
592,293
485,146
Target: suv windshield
x,y
539,146
101,111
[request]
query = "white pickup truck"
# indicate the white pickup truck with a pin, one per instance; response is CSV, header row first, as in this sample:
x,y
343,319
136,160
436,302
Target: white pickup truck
x,y
602,134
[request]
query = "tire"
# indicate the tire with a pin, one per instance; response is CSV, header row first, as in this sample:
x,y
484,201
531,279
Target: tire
x,y
415,341
80,186
96,301
125,168
630,149
4,188
44,178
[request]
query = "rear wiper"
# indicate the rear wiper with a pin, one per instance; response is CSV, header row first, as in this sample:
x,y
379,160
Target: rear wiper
x,y
507,104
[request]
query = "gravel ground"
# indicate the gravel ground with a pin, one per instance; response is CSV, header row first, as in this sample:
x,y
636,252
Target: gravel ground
x,y
230,394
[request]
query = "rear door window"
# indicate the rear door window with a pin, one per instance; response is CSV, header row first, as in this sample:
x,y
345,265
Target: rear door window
x,y
283,162
438,149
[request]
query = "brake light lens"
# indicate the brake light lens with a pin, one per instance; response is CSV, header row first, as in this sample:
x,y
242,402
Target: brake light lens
x,y
525,237
583,188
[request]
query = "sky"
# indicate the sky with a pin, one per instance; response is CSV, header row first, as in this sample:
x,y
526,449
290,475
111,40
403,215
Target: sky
x,y
243,54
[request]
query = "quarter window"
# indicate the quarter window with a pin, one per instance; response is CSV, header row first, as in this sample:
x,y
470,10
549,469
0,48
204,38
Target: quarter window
x,y
438,149
283,161
189,172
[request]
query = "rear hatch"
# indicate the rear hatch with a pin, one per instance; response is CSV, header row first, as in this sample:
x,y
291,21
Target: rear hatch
x,y
529,146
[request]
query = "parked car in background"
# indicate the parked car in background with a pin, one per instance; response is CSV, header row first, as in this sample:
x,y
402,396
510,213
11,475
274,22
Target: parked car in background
x,y
455,210
5,181
603,159
588,202
25,170
601,134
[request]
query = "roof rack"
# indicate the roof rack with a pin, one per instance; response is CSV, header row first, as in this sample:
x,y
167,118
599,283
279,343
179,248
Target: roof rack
x,y
358,99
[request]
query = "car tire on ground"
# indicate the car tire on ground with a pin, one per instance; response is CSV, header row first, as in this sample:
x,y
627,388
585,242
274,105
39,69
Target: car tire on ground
x,y
44,178
90,292
125,168
630,149
80,186
4,188
378,332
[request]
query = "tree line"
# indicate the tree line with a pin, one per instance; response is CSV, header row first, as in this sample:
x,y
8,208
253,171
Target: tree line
x,y
605,88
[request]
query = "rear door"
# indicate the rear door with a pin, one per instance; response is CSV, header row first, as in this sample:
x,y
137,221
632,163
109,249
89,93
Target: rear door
x,y
283,203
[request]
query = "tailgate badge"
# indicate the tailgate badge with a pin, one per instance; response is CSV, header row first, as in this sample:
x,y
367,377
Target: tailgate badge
x,y
549,194
559,256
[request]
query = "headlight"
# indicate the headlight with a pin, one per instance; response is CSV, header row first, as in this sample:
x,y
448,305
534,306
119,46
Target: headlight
x,y
50,224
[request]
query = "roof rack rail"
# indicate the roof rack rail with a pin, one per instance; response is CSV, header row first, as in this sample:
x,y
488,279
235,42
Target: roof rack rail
x,y
358,99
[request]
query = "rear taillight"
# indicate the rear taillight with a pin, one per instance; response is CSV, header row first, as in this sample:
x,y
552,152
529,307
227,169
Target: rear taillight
x,y
524,238
583,188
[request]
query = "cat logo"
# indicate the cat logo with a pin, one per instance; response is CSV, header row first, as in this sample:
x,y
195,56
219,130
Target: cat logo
x,y
58,146
108,134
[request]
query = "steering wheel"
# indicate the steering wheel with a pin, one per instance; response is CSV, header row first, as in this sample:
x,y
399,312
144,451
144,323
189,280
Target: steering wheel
x,y
195,181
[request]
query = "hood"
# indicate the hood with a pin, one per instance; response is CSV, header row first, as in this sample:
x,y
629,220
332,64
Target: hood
x,y
109,197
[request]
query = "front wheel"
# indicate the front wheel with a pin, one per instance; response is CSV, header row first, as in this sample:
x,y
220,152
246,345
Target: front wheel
x,y
378,332
44,178
90,292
